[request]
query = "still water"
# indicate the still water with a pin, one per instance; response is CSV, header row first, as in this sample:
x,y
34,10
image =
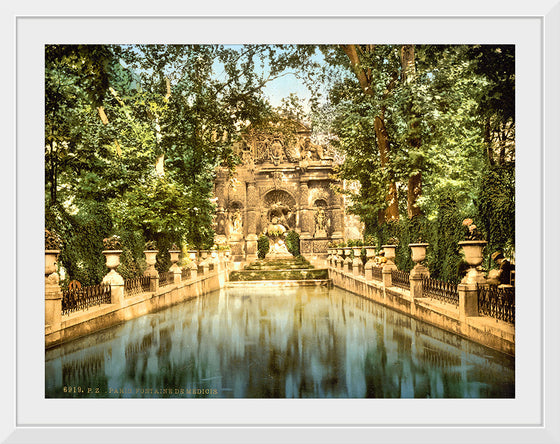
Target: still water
x,y
277,343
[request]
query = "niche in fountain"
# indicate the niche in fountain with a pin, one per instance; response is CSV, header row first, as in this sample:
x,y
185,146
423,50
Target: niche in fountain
x,y
276,232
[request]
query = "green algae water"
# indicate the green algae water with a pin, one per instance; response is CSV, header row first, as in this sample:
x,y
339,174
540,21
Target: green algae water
x,y
277,342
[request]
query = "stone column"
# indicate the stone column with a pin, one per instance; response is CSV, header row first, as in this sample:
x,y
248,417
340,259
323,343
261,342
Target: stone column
x,y
337,217
306,219
151,270
252,214
53,293
112,259
468,301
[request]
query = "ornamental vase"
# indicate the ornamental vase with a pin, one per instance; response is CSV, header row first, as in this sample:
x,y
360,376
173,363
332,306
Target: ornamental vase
x,y
112,258
390,252
51,258
151,257
192,255
418,252
472,250
174,255
370,251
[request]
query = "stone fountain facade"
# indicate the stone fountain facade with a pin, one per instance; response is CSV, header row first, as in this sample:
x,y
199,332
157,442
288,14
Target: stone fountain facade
x,y
283,177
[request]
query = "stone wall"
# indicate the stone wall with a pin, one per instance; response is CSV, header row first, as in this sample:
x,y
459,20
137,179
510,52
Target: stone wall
x,y
99,318
486,331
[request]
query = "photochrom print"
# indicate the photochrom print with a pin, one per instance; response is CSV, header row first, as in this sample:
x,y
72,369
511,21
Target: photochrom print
x,y
280,221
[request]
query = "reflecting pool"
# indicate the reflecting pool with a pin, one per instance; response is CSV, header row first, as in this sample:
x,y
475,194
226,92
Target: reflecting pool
x,y
257,342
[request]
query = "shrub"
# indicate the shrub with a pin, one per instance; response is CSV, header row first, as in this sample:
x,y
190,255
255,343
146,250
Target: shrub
x,y
292,243
263,245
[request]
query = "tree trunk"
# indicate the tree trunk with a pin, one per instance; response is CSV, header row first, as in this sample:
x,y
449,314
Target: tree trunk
x,y
364,78
392,210
414,190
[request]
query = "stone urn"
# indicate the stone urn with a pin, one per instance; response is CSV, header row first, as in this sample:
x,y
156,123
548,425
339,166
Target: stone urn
x,y
192,255
370,252
390,253
112,258
112,261
472,249
51,258
174,257
418,255
193,266
151,262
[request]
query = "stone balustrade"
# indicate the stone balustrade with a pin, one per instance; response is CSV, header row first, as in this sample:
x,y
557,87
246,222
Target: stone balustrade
x,y
417,284
198,268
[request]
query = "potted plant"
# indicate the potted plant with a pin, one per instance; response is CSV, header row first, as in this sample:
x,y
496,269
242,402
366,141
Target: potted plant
x,y
472,247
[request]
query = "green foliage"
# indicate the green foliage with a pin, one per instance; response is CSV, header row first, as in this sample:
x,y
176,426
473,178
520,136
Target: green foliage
x,y
496,206
263,245
444,257
292,242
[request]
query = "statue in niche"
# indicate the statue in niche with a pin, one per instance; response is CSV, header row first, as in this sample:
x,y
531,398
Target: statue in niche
x,y
276,233
262,150
236,222
320,223
276,152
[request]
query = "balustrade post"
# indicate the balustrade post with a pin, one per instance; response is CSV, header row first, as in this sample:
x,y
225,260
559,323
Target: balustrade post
x,y
357,262
175,269
112,261
415,285
340,257
53,293
151,270
347,260
368,267
193,266
468,300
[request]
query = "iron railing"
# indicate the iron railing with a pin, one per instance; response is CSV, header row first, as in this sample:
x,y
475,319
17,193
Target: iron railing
x,y
377,273
136,285
185,274
166,278
497,302
76,299
440,290
400,279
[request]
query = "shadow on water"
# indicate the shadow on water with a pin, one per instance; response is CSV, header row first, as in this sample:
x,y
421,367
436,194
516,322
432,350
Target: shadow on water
x,y
277,343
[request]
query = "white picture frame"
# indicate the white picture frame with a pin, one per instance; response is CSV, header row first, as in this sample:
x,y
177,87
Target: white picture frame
x,y
534,27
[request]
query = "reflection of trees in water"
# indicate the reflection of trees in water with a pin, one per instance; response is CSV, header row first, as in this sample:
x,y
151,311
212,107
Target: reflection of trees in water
x,y
287,343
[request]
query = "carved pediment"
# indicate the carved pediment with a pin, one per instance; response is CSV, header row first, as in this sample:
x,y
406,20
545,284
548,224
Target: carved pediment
x,y
280,143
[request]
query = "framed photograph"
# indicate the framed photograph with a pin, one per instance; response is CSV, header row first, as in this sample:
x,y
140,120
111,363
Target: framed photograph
x,y
148,378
